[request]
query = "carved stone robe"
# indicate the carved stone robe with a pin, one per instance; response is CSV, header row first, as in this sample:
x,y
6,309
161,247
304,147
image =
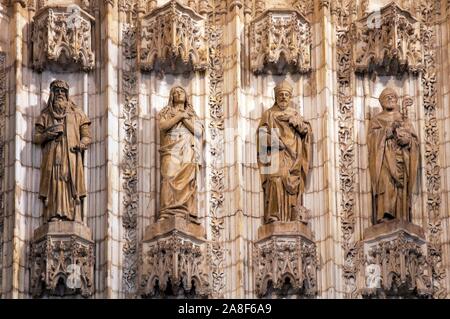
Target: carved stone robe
x,y
393,168
62,178
180,165
283,158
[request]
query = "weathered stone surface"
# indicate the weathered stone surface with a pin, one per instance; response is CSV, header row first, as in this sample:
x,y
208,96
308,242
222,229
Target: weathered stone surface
x,y
285,261
62,260
174,260
395,262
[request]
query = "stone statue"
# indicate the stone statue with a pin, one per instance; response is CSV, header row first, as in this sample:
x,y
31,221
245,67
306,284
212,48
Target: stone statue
x,y
284,153
64,134
181,140
393,159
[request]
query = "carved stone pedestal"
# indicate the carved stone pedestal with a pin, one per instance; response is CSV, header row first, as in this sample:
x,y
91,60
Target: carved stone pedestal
x,y
285,261
394,262
174,260
62,260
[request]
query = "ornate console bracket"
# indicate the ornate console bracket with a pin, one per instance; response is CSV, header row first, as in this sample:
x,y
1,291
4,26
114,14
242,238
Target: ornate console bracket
x,y
395,262
388,42
62,39
280,42
285,261
62,260
174,260
173,40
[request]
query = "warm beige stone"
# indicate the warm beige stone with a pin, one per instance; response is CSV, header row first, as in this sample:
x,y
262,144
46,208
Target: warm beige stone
x,y
66,228
174,224
62,255
64,134
389,227
182,135
284,154
284,229
393,158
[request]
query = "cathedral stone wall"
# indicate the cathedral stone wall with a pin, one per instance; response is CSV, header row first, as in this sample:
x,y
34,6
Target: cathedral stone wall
x,y
121,59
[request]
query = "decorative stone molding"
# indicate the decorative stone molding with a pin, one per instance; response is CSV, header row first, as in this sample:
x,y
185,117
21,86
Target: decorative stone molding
x,y
3,107
388,42
305,7
62,260
129,167
285,261
215,144
395,262
281,39
173,40
343,11
174,260
62,38
429,13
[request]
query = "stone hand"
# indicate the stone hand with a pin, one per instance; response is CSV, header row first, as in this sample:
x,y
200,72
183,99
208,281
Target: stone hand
x,y
403,136
389,133
80,148
183,116
407,101
50,135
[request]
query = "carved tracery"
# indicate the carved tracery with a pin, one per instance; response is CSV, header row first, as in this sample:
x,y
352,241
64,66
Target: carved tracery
x,y
173,39
62,36
281,38
387,41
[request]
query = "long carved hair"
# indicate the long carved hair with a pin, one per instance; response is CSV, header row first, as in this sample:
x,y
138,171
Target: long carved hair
x,y
187,106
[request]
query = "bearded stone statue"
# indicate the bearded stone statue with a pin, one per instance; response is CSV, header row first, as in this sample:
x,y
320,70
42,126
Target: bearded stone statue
x,y
63,131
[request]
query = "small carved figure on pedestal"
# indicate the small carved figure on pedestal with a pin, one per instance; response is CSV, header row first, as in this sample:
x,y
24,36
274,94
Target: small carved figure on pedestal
x,y
181,142
64,134
393,159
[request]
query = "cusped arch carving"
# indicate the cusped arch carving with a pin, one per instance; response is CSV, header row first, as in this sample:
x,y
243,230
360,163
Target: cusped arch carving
x,y
387,42
280,39
173,40
62,38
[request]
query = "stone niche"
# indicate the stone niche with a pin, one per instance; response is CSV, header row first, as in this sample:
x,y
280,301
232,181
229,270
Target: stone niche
x,y
62,260
174,260
280,42
62,39
395,262
173,40
285,261
387,41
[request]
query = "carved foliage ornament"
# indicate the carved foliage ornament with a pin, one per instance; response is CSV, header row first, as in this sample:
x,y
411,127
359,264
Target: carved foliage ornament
x,y
343,10
130,160
216,251
280,34
388,41
175,264
171,34
3,101
62,35
280,260
68,261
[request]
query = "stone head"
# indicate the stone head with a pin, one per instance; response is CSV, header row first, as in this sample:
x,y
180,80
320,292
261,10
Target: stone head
x,y
283,94
388,99
59,91
178,95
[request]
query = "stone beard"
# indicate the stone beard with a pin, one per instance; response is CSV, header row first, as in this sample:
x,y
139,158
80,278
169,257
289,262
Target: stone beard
x,y
393,160
284,153
63,131
181,141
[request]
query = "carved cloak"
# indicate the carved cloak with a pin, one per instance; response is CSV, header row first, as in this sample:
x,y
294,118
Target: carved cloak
x,y
76,131
283,158
386,159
